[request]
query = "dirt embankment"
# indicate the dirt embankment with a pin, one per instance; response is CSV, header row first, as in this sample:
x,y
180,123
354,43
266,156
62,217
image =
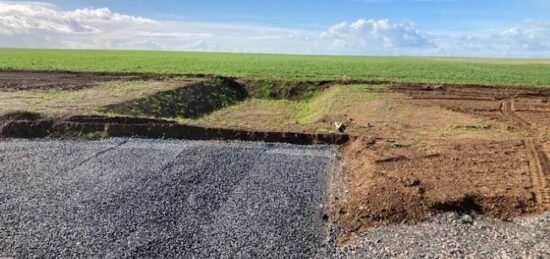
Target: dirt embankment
x,y
190,101
30,125
503,174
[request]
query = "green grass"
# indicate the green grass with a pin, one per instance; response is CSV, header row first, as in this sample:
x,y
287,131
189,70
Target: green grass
x,y
520,72
336,99
281,113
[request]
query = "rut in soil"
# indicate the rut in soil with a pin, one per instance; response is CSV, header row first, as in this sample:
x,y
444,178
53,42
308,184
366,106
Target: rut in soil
x,y
539,164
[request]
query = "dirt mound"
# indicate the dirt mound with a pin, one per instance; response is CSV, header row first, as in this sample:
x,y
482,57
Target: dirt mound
x,y
189,101
25,80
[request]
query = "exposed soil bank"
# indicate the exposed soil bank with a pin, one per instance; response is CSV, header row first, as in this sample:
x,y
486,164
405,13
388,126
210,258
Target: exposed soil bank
x,y
19,126
189,101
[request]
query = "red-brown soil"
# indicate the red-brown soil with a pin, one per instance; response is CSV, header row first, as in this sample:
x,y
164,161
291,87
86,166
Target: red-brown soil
x,y
499,172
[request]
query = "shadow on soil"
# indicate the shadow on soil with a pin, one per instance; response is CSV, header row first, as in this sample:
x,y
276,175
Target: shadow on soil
x,y
465,205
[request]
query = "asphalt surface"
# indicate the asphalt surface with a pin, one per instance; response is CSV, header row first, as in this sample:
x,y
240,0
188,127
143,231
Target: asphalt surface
x,y
162,198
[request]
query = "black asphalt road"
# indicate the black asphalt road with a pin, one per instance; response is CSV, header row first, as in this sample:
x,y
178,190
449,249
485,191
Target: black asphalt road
x,y
162,198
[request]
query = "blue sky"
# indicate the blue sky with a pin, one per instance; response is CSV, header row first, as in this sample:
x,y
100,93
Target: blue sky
x,y
360,27
429,14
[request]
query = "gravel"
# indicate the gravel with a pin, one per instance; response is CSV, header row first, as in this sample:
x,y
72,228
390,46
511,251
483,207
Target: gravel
x,y
453,235
162,198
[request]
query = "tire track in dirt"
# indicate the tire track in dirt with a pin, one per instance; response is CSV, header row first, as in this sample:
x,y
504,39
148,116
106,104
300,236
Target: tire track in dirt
x,y
540,174
539,165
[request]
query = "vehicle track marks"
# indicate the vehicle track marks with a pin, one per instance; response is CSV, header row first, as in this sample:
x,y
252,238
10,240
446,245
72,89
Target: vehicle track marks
x,y
504,105
539,165
540,175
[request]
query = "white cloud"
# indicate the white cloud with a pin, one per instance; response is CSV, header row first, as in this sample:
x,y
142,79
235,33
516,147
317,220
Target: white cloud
x,y
38,25
32,24
30,17
375,34
529,39
530,36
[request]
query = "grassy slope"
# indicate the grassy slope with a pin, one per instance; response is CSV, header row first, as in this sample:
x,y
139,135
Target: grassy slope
x,y
309,113
519,72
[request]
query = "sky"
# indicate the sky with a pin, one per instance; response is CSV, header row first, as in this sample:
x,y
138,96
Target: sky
x,y
492,28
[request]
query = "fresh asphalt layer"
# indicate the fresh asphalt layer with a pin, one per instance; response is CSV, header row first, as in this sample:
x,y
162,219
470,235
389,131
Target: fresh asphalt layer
x,y
162,198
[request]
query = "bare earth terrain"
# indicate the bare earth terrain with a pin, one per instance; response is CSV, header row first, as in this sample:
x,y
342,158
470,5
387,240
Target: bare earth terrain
x,y
499,168
410,154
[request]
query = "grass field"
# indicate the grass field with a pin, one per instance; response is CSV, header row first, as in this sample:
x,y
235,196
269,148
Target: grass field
x,y
501,72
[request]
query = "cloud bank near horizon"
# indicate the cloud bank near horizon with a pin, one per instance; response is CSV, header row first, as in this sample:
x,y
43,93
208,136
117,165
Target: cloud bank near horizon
x,y
43,25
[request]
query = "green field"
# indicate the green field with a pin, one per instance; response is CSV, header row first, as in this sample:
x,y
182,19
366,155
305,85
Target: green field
x,y
501,72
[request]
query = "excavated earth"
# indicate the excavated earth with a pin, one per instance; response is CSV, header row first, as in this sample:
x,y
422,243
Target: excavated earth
x,y
498,177
24,80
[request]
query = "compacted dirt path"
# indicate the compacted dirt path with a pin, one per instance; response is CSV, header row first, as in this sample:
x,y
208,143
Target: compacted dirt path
x,y
124,198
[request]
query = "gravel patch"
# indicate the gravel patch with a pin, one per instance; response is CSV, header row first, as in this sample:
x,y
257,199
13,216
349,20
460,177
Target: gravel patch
x,y
453,235
162,198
